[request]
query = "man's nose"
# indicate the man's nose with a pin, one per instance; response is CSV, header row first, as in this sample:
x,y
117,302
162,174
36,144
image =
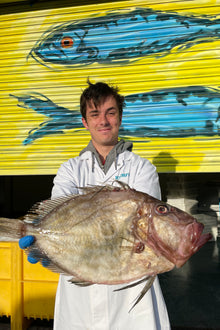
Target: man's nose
x,y
104,119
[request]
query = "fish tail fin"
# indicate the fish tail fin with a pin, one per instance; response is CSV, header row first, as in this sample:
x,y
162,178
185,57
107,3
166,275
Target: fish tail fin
x,y
11,229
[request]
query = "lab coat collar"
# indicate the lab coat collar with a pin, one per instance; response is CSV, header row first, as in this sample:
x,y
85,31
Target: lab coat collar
x,y
119,148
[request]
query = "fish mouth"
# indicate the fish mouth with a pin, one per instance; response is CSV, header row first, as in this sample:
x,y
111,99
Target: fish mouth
x,y
204,238
189,246
198,239
190,241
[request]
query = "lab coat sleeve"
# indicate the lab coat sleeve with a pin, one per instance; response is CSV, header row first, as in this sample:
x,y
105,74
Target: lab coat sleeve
x,y
64,181
147,179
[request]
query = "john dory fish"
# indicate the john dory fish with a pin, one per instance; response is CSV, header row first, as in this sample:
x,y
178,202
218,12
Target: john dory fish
x,y
109,235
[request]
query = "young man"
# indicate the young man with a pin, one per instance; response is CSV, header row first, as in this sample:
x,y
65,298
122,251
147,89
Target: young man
x,y
104,160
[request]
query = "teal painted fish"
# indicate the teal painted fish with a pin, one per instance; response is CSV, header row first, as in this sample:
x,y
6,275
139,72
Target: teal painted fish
x,y
59,118
123,36
173,112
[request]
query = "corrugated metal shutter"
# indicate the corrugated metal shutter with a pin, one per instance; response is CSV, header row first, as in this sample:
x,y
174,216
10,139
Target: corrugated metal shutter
x,y
164,56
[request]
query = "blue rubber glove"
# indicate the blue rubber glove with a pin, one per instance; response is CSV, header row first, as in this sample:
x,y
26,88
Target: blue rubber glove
x,y
26,242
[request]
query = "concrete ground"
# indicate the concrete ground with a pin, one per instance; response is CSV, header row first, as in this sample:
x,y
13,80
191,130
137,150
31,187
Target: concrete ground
x,y
192,293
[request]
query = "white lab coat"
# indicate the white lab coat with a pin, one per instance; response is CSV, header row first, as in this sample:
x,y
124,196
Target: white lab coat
x,y
98,307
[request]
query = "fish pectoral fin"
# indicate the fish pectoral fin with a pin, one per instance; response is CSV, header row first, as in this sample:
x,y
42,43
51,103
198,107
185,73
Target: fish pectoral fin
x,y
149,279
134,284
144,291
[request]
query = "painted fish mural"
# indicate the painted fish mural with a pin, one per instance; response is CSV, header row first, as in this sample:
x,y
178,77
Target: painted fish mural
x,y
173,112
123,37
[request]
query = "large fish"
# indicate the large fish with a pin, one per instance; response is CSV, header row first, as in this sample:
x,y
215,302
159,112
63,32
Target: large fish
x,y
109,235
123,36
168,112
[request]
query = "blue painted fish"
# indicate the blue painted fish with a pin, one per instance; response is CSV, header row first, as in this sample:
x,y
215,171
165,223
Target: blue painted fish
x,y
174,112
119,37
60,118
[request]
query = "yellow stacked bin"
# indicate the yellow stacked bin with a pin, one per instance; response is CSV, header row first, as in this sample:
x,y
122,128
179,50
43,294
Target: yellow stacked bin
x,y
27,291
5,279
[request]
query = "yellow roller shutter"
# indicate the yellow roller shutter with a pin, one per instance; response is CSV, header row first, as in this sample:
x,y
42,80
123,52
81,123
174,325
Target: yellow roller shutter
x,y
163,56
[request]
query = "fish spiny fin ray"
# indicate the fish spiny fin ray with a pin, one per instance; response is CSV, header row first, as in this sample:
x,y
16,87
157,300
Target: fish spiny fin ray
x,y
149,279
79,282
134,284
144,291
120,187
46,262
41,209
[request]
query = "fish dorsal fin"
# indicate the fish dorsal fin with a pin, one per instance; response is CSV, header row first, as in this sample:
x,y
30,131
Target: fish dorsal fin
x,y
109,187
41,209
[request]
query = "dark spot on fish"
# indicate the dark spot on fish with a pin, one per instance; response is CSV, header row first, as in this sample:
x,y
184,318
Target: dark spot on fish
x,y
180,100
93,52
139,247
107,229
218,114
133,19
209,127
144,98
140,212
156,97
23,230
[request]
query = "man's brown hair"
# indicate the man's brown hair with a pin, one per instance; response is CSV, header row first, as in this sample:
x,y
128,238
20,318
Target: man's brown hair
x,y
97,93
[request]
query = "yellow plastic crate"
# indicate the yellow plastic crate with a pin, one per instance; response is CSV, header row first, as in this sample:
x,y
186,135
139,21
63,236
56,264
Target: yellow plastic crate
x,y
5,257
5,279
26,291
5,298
39,299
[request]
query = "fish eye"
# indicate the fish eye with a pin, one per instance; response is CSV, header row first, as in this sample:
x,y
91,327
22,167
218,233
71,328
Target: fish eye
x,y
162,209
67,42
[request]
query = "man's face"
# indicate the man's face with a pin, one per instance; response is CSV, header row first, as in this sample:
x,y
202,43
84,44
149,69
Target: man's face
x,y
103,122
